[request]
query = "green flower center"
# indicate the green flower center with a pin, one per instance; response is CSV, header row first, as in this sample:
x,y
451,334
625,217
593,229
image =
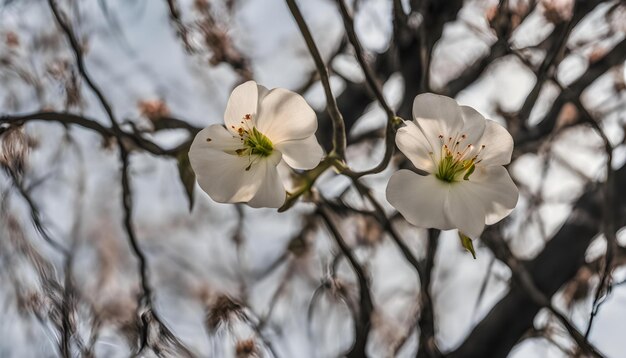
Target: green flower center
x,y
451,169
458,160
255,143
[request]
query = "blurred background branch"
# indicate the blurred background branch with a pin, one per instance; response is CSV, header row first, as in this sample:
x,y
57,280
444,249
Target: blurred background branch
x,y
96,186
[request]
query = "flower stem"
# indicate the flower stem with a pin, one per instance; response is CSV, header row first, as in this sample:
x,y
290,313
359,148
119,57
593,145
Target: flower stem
x,y
308,179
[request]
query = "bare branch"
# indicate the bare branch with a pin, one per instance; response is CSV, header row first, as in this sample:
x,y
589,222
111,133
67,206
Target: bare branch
x,y
339,130
366,307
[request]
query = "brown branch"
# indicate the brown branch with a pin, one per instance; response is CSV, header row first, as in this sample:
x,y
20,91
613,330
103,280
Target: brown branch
x,y
339,130
60,117
80,61
528,137
554,54
106,132
427,345
370,76
474,71
386,224
145,299
609,226
374,86
525,280
556,265
35,214
181,29
366,306
426,321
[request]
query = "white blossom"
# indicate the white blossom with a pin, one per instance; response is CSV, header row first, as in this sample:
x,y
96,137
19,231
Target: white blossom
x,y
236,162
463,154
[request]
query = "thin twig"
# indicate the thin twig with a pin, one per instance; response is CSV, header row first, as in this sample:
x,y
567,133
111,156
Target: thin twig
x,y
524,278
386,224
145,299
107,133
339,130
374,86
80,62
366,306
608,222
35,214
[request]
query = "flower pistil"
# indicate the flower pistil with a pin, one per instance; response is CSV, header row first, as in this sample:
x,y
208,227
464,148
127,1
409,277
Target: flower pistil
x,y
255,144
457,160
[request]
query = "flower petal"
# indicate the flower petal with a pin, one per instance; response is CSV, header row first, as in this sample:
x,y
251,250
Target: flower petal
x,y
495,188
411,141
420,199
498,145
301,153
465,210
271,193
224,176
437,115
243,100
473,125
284,115
216,137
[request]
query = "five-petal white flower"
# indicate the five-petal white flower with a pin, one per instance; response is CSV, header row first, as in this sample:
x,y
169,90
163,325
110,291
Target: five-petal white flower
x,y
237,162
467,186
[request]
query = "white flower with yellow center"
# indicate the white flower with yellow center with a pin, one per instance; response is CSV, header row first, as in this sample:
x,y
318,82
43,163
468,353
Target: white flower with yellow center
x,y
238,162
463,153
